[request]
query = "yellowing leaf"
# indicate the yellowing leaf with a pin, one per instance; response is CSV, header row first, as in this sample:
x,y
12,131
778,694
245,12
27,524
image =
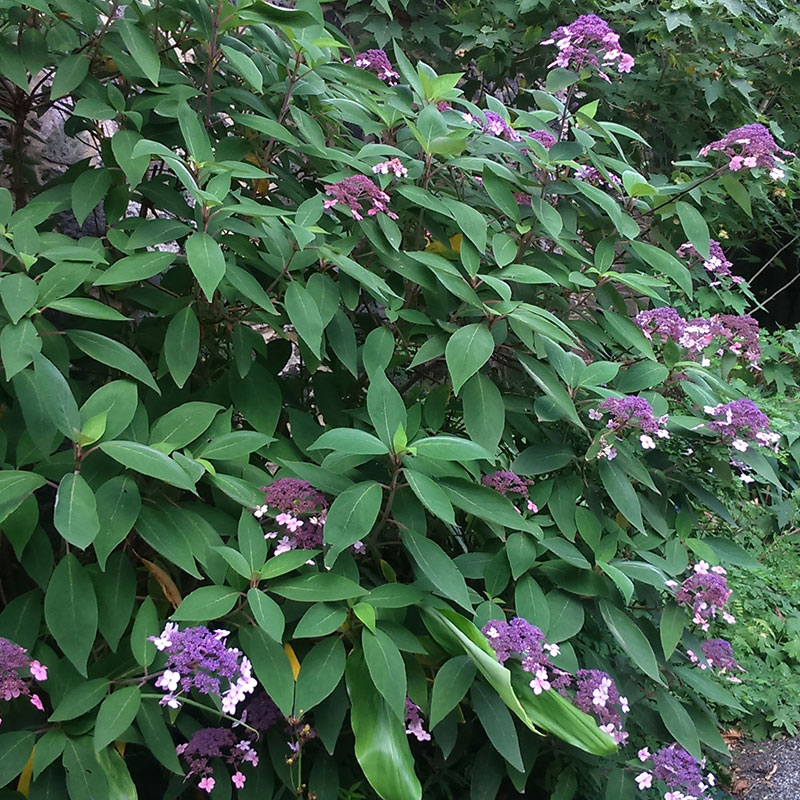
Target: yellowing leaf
x,y
292,660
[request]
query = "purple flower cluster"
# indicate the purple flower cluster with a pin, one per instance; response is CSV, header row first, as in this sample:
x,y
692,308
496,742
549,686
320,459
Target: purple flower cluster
x,y
210,743
589,41
356,190
414,724
596,693
507,482
716,263
718,654
630,413
593,175
750,146
13,661
545,138
706,592
378,62
740,422
737,334
301,513
494,124
679,770
527,642
393,165
198,658
261,712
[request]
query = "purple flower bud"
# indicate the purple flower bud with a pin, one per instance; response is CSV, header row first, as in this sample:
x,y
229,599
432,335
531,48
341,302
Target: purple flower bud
x,y
210,743
740,422
706,592
596,693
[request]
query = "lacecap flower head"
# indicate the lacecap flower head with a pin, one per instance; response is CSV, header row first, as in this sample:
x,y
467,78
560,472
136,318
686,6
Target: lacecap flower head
x,y
748,147
15,668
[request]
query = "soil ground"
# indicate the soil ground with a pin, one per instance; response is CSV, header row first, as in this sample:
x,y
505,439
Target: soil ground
x,y
768,770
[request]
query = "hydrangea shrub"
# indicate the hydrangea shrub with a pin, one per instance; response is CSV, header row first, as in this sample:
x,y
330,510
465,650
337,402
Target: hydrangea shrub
x,y
356,438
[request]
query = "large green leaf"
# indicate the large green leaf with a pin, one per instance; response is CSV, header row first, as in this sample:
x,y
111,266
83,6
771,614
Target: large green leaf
x,y
206,261
451,683
320,673
351,517
115,715
75,515
630,638
148,461
70,611
438,568
381,745
467,350
112,354
386,668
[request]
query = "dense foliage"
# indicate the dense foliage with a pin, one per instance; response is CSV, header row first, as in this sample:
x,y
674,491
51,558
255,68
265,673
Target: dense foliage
x,y
360,440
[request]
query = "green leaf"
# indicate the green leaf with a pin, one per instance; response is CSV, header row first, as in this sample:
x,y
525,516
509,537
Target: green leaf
x,y
48,748
485,503
194,134
138,267
69,75
112,354
206,603
140,45
85,776
115,715
566,616
558,79
381,743
451,683
183,424
351,441
470,220
118,505
546,380
438,568
386,409
19,294
89,189
19,345
249,288
351,517
244,65
15,486
450,448
70,611
432,496
271,665
182,345
75,515
320,673
621,491
484,411
116,596
497,722
320,620
671,627
386,668
267,613
286,562
252,545
233,445
467,350
316,587
695,227
677,721
145,625
148,461
738,192
304,315
150,721
86,307
206,262
84,697
631,639
15,750
663,262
